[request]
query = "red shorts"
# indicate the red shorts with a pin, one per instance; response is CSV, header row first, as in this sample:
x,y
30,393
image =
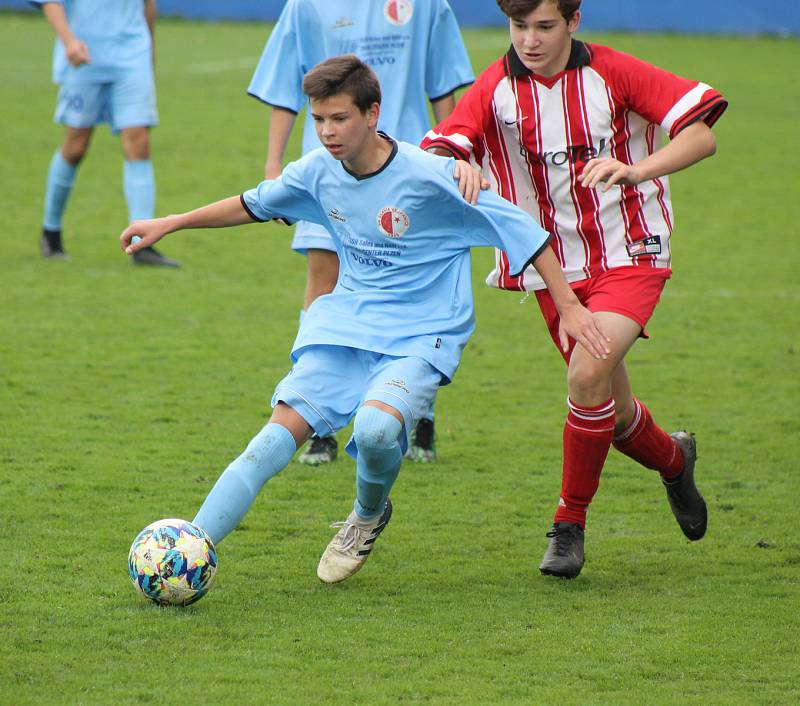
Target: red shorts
x,y
630,291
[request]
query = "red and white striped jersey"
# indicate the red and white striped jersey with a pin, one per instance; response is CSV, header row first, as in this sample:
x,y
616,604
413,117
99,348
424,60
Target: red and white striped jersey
x,y
533,135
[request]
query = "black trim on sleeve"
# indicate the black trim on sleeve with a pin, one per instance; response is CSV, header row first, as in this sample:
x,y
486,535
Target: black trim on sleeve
x,y
534,256
443,144
249,212
271,105
452,90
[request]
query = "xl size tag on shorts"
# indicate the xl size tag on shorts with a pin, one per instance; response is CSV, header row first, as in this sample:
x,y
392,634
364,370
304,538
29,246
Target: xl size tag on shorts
x,y
646,246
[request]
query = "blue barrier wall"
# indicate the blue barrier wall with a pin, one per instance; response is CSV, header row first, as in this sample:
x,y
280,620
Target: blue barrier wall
x,y
700,16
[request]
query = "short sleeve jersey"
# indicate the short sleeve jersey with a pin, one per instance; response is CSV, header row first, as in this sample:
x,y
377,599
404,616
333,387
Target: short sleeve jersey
x,y
403,236
414,46
116,33
532,136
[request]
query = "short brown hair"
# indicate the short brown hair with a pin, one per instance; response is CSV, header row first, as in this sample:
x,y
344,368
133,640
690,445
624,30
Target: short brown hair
x,y
343,74
521,8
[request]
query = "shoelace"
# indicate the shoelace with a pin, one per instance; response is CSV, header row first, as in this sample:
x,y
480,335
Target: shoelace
x,y
348,536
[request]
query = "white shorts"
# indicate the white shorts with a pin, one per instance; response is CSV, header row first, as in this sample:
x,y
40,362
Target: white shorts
x,y
328,384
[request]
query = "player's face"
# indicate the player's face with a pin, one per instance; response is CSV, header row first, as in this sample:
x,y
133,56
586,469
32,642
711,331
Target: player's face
x,y
342,128
543,39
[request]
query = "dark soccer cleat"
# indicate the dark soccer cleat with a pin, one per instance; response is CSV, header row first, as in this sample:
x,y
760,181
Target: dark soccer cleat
x,y
151,257
564,556
349,550
422,448
320,449
684,498
51,246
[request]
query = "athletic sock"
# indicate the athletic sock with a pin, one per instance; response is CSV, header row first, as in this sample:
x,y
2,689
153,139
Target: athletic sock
x,y
231,497
60,178
139,184
379,457
644,441
588,432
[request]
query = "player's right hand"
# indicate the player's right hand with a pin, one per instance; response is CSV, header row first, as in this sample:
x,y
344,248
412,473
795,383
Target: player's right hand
x,y
77,52
149,232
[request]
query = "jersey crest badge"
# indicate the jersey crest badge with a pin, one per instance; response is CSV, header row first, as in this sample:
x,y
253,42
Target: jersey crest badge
x,y
392,221
398,12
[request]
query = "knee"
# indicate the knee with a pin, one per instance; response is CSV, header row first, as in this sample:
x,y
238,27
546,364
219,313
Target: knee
x,y
588,384
136,144
74,152
375,432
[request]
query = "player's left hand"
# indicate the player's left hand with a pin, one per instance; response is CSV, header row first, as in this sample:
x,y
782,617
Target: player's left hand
x,y
611,171
149,232
581,324
470,181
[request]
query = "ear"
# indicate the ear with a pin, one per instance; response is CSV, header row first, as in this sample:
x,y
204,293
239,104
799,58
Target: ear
x,y
373,113
572,25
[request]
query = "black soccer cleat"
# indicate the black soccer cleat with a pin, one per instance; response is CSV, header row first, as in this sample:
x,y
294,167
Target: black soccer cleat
x,y
422,446
51,246
320,449
564,556
684,498
149,256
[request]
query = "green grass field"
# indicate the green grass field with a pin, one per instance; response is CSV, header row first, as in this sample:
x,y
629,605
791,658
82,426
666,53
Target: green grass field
x,y
125,392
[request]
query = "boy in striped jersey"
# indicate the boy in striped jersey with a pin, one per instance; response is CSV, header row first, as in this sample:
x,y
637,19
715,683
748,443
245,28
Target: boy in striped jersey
x,y
572,133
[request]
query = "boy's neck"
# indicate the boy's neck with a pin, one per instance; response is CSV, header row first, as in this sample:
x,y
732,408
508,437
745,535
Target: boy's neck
x,y
372,157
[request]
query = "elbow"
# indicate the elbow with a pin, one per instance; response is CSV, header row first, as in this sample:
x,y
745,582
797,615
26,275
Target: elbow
x,y
711,144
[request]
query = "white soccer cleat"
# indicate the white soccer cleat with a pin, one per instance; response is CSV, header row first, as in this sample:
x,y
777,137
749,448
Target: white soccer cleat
x,y
349,550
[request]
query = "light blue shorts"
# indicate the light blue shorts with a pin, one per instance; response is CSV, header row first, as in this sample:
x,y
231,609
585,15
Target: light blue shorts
x,y
311,236
328,384
127,102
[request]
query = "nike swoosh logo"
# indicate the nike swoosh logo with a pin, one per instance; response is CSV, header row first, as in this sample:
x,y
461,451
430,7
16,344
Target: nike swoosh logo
x,y
514,122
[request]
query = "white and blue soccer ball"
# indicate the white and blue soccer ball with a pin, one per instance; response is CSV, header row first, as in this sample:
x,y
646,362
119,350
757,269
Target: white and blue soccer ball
x,y
172,562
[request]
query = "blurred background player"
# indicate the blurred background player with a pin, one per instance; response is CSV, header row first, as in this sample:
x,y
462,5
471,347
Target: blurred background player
x,y
103,63
572,132
415,48
377,348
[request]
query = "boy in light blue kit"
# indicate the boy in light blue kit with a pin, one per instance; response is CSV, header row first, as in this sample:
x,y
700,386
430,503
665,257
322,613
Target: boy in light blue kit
x,y
103,63
393,329
416,50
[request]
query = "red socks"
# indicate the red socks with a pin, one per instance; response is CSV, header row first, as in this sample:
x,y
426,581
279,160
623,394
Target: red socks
x,y
644,441
588,433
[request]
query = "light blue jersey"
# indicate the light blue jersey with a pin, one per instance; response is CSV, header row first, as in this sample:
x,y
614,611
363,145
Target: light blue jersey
x,y
403,236
116,33
414,46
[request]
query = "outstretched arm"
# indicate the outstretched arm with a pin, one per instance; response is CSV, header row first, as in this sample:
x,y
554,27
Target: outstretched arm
x,y
689,146
576,321
77,52
228,212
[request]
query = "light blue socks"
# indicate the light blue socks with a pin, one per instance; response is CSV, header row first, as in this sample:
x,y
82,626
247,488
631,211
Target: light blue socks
x,y
60,178
139,184
231,497
376,435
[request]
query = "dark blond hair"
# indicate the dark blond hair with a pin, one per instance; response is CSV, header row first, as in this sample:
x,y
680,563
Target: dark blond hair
x,y
343,74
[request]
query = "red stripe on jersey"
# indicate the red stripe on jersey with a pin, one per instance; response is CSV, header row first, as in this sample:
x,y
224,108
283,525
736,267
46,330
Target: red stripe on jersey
x,y
499,159
651,147
528,101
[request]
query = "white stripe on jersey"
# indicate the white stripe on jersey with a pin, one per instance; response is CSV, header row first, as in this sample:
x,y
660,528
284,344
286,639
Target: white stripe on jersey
x,y
692,98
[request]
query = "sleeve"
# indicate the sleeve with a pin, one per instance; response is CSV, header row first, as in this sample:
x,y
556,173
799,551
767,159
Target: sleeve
x,y
278,78
39,3
447,64
286,197
671,101
461,132
499,223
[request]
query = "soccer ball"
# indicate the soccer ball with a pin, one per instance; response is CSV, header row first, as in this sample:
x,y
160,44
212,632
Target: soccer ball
x,y
172,562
